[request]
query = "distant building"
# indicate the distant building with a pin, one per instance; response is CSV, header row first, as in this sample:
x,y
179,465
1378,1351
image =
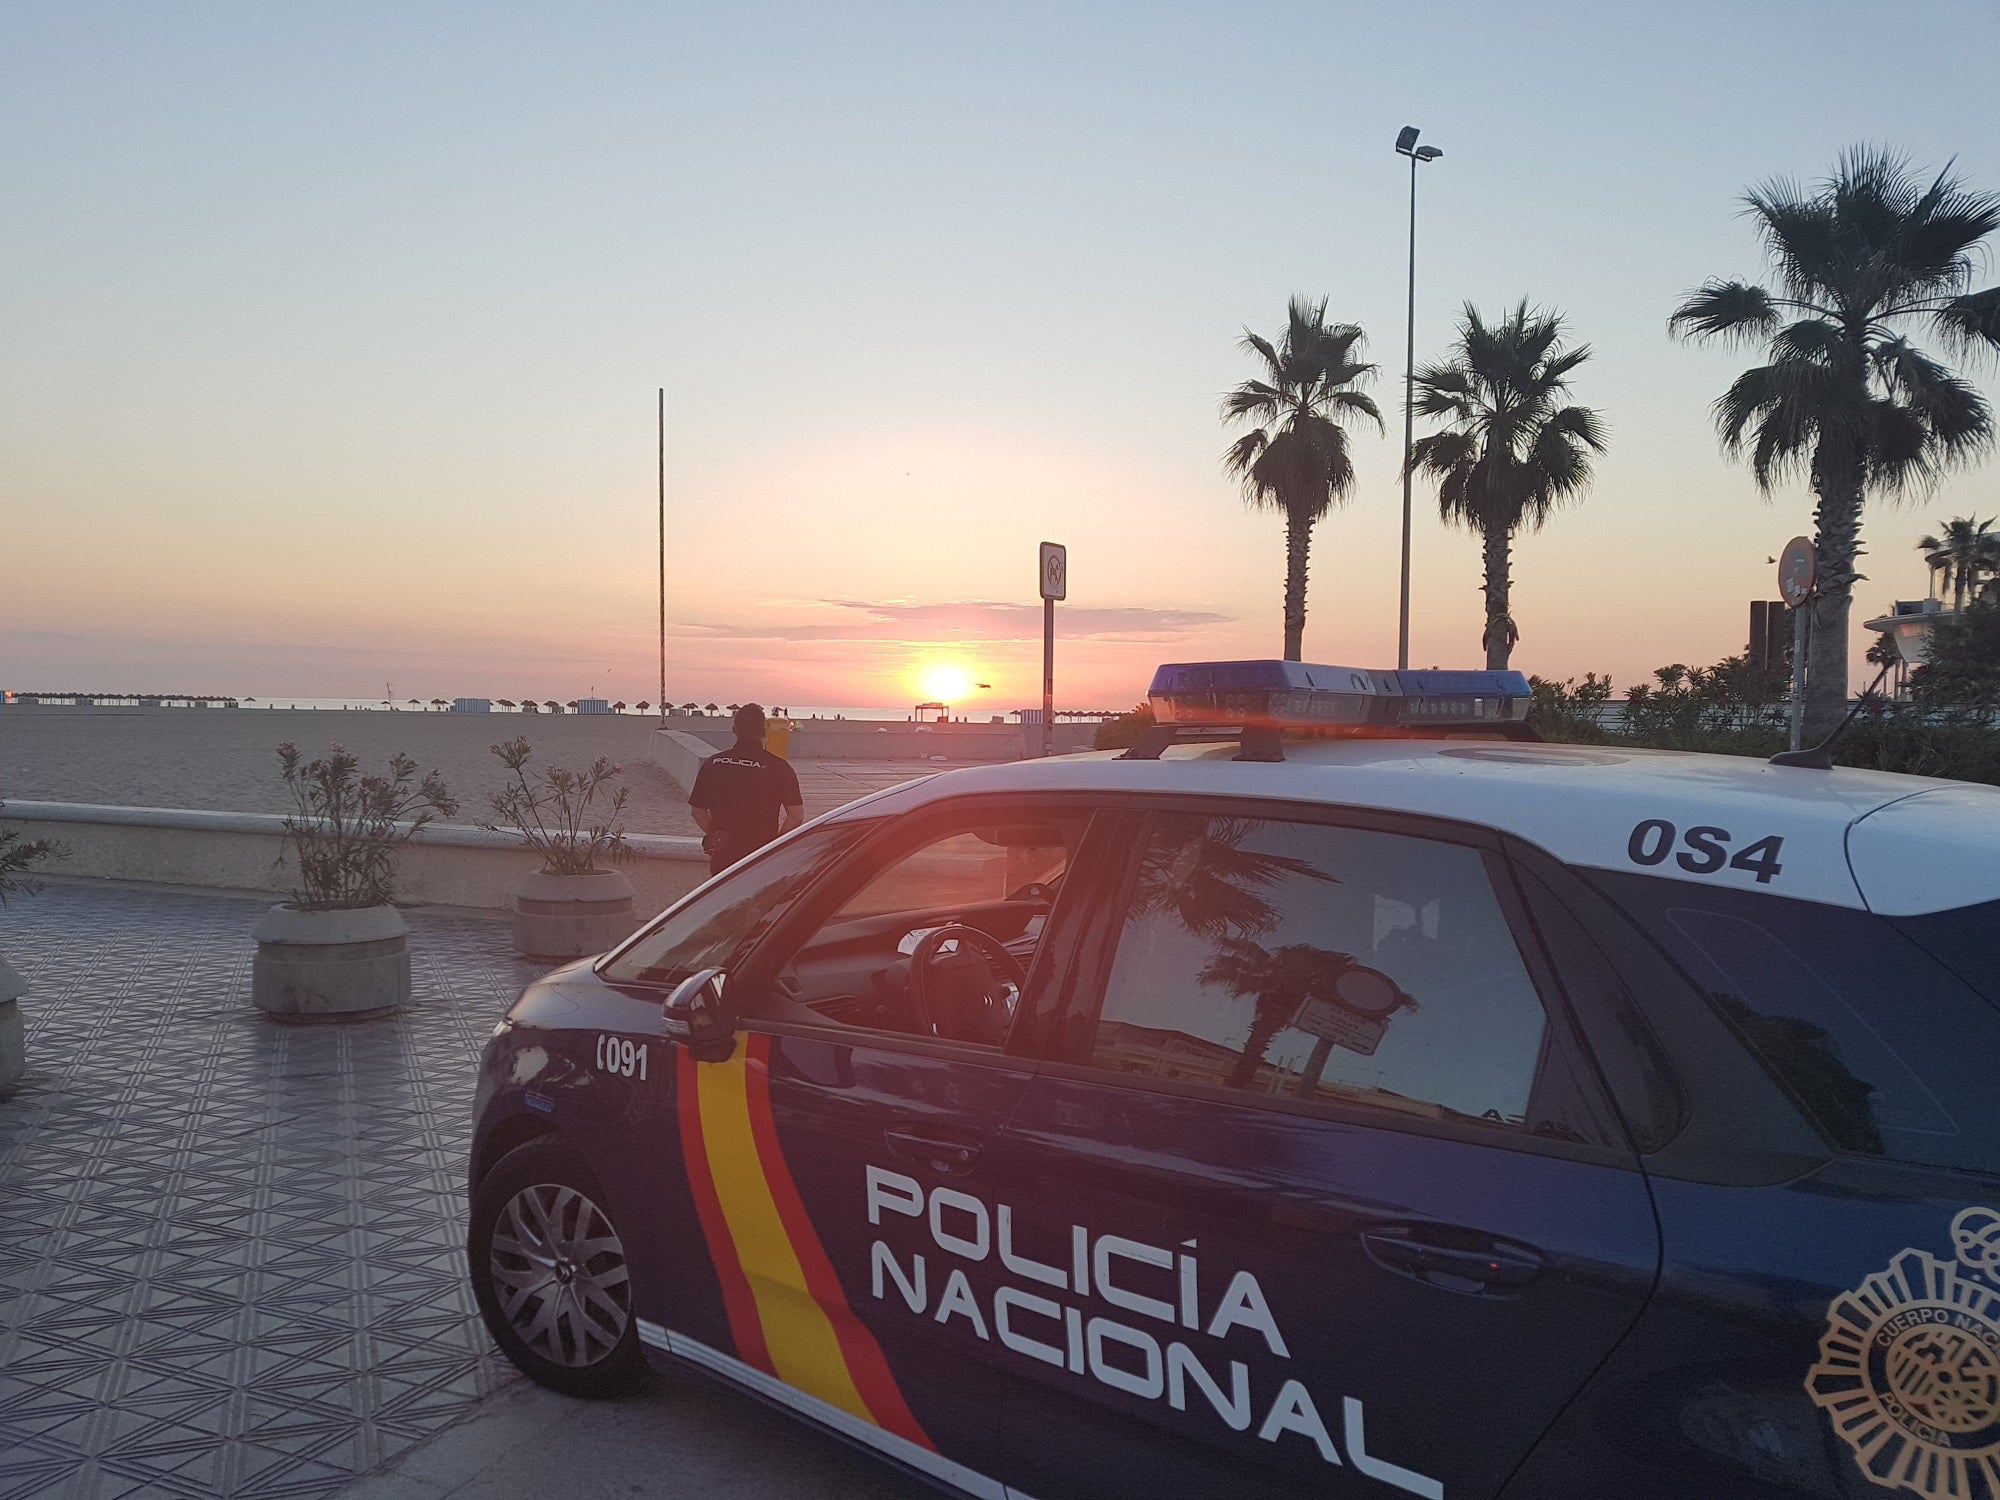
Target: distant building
x,y
1909,626
593,705
1770,635
472,705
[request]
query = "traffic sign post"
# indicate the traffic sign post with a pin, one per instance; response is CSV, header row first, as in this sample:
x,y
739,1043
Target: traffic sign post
x,y
1055,585
1798,571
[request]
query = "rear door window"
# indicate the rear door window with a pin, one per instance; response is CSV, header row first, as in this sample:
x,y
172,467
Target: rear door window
x,y
1886,1049
1337,966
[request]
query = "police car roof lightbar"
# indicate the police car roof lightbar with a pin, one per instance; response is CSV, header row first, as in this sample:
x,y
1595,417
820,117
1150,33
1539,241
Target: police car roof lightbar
x,y
1257,701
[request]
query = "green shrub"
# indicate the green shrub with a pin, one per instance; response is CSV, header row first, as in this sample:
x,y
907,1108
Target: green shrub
x,y
1961,746
1567,712
1964,666
1733,708
1123,732
1708,708
19,854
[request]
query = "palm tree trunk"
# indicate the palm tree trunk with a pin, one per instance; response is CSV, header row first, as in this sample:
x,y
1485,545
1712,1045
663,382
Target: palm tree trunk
x,y
1298,543
1274,1013
1837,539
1499,586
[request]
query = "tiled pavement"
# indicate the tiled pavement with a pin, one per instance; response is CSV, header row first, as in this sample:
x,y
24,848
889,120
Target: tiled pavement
x,y
229,1248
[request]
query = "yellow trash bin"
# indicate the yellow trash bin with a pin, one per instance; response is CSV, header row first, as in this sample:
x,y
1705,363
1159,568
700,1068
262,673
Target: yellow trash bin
x,y
778,737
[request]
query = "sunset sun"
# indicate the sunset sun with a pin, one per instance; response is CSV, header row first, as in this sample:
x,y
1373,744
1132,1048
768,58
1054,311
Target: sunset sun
x,y
945,682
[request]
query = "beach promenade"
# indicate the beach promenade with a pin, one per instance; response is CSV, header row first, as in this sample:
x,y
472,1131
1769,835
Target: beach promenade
x,y
230,1257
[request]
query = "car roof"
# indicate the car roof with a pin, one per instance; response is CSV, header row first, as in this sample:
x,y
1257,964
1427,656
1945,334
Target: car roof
x,y
1871,840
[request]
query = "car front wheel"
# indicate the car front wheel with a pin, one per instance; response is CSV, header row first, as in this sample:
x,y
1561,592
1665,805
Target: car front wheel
x,y
550,1275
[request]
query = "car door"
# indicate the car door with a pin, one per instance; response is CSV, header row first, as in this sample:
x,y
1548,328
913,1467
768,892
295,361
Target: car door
x,y
1320,1194
1828,1315
838,1155
625,1120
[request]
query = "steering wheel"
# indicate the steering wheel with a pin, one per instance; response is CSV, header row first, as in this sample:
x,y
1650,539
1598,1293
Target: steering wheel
x,y
974,947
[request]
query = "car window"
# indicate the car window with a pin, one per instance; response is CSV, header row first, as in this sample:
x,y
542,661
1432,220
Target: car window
x,y
1341,965
1887,1050
721,922
868,964
984,864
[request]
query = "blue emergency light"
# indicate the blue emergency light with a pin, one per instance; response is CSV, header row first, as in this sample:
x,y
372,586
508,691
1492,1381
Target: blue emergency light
x,y
1279,695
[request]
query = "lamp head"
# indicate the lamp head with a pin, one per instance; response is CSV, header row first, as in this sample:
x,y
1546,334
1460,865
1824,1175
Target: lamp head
x,y
1406,139
1427,153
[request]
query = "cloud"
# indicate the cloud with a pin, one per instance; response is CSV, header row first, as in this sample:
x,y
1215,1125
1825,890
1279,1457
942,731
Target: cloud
x,y
972,622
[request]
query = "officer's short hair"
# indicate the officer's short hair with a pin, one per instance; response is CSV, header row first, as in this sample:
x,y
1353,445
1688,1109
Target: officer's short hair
x,y
749,722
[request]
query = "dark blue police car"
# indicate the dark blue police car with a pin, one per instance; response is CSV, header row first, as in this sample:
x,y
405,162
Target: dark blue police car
x,y
1372,1112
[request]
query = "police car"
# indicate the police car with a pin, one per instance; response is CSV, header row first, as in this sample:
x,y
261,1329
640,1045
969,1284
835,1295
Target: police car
x,y
1402,1107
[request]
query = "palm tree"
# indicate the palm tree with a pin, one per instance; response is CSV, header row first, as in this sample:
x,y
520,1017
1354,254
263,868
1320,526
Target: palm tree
x,y
1295,459
1845,399
1197,870
1511,451
1280,979
1966,549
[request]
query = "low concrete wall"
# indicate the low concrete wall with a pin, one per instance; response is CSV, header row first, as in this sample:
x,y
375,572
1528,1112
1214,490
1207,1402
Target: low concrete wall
x,y
680,751
680,754
446,864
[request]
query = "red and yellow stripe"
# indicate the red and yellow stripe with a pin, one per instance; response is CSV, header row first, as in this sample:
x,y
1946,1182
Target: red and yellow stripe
x,y
787,1313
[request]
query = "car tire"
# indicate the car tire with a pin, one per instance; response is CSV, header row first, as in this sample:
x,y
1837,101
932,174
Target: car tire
x,y
550,1274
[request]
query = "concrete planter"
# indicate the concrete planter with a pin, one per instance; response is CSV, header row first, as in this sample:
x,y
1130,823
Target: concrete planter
x,y
568,916
13,1039
330,965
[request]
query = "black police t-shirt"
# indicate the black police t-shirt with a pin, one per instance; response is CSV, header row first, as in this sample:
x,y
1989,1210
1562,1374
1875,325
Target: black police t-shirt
x,y
744,787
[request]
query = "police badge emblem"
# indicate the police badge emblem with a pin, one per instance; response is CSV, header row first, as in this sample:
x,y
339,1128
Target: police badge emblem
x,y
1909,1367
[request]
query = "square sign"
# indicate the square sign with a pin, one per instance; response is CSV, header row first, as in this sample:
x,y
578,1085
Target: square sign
x,y
1055,570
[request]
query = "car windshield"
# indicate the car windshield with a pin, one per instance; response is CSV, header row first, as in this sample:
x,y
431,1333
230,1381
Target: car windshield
x,y
1869,1022
721,921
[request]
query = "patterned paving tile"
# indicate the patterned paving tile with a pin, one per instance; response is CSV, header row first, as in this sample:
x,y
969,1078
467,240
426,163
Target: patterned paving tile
x,y
229,1247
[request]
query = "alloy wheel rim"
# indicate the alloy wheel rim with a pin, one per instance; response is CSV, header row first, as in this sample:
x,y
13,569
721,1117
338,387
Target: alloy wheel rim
x,y
559,1271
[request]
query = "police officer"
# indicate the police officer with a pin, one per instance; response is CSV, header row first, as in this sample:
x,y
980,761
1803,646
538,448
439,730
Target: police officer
x,y
744,796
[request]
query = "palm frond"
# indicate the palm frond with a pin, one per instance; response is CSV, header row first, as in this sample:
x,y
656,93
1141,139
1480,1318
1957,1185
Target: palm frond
x,y
1971,322
1580,423
1243,453
1358,402
1899,455
1252,343
1254,398
1725,310
1442,452
1812,340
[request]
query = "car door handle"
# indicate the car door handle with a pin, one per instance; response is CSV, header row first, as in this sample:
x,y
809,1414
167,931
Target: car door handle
x,y
948,1153
1454,1260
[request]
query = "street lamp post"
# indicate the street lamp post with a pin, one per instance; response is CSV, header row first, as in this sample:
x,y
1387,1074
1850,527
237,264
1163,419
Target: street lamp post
x,y
1406,145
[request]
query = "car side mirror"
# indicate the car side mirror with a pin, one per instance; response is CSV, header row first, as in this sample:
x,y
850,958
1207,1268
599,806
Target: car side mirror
x,y
697,1018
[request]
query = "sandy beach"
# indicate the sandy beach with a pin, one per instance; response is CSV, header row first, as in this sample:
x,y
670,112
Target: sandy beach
x,y
226,759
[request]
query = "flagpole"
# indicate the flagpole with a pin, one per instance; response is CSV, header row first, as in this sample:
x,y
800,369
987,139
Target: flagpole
x,y
663,554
